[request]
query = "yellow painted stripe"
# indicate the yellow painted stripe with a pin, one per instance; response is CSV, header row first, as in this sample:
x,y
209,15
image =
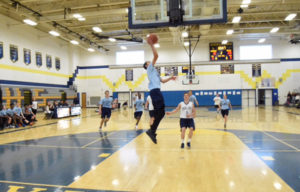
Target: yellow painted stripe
x,y
104,155
22,69
35,184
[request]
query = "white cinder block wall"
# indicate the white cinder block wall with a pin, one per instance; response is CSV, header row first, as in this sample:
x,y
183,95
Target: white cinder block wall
x,y
95,81
170,53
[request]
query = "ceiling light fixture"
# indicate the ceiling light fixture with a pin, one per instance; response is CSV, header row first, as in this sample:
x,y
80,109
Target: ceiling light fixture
x,y
112,39
224,42
290,17
97,29
229,32
77,16
185,34
74,42
30,22
261,40
54,33
274,30
236,19
91,50
81,19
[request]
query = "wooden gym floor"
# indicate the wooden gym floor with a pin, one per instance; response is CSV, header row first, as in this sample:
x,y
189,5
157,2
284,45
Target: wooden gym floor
x,y
258,152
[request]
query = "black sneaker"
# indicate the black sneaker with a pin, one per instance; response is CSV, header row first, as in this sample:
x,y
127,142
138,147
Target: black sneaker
x,y
182,145
152,136
188,144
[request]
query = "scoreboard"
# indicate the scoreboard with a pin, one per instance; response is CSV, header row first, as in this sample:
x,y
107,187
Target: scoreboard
x,y
220,52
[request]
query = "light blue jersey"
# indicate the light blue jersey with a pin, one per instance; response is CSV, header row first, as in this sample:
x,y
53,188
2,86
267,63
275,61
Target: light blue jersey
x,y
106,102
153,77
18,110
193,99
3,113
10,112
225,104
139,105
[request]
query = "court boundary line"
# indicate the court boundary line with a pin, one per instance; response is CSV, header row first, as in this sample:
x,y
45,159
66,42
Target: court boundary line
x,y
96,140
281,141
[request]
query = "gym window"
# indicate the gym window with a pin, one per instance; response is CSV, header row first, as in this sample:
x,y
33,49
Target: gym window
x,y
249,52
130,57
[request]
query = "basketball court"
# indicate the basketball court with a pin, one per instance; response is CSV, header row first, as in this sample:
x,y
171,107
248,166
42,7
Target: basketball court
x,y
73,51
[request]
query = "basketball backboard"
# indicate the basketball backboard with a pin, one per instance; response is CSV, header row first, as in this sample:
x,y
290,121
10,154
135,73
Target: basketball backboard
x,y
160,13
190,80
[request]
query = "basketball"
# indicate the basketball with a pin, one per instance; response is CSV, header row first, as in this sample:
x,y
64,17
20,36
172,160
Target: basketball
x,y
152,39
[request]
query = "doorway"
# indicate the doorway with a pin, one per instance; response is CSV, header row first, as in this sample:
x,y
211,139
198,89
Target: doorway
x,y
265,97
248,98
83,100
27,97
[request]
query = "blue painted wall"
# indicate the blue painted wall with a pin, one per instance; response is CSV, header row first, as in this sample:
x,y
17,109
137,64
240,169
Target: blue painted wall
x,y
205,97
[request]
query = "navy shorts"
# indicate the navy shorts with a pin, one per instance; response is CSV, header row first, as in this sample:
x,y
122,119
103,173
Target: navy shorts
x,y
151,113
138,114
225,112
188,123
106,113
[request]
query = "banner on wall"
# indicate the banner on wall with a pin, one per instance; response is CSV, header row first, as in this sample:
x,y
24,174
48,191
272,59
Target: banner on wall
x,y
268,82
256,70
48,61
1,50
13,53
227,69
38,59
129,74
57,63
169,71
27,56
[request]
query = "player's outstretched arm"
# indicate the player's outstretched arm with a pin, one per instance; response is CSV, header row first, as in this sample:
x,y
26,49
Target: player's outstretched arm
x,y
174,111
155,54
146,105
168,79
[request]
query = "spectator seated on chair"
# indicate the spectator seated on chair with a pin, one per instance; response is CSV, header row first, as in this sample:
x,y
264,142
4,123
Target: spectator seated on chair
x,y
65,104
5,120
28,114
49,110
20,119
34,106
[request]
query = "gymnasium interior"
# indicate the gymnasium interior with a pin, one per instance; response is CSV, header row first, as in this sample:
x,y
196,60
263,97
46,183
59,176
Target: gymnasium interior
x,y
67,53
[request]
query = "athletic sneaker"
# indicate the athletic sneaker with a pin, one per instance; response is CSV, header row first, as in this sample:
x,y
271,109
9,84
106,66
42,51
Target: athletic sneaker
x,y
188,144
182,145
152,136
